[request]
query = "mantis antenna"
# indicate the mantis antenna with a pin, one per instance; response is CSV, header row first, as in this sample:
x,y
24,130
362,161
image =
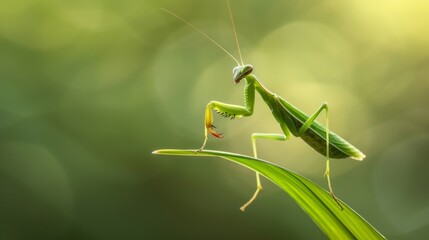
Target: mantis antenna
x,y
235,32
205,35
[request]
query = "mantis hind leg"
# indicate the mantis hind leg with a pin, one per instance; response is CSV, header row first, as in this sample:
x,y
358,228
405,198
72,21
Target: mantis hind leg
x,y
273,136
305,127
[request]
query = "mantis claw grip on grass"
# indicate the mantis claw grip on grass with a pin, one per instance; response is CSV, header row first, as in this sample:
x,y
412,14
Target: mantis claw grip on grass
x,y
291,119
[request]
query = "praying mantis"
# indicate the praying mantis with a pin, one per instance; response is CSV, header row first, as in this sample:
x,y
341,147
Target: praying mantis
x,y
291,119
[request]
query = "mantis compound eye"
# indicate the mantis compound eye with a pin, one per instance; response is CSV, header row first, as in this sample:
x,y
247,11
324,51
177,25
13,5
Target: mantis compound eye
x,y
241,72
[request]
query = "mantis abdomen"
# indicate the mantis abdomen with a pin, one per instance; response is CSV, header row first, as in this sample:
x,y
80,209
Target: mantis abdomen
x,y
315,135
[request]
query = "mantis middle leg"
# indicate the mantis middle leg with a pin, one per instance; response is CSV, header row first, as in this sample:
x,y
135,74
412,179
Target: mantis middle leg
x,y
272,136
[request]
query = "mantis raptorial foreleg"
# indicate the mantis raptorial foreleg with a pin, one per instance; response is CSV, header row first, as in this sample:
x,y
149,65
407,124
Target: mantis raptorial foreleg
x,y
226,110
272,136
229,111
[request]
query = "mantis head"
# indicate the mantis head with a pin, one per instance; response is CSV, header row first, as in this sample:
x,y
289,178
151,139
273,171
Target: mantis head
x,y
241,72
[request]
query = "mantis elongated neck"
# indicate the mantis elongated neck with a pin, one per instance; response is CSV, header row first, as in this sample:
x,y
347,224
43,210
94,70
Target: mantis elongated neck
x,y
262,90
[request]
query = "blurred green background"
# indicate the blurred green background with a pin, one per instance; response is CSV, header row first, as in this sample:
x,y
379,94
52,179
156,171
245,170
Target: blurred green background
x,y
88,89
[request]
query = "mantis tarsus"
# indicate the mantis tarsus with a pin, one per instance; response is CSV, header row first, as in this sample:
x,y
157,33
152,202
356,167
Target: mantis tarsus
x,y
292,120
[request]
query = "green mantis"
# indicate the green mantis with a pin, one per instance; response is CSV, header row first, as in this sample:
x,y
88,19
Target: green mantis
x,y
291,119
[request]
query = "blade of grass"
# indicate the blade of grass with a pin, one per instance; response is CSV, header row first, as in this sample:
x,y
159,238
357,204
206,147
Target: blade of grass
x,y
314,200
